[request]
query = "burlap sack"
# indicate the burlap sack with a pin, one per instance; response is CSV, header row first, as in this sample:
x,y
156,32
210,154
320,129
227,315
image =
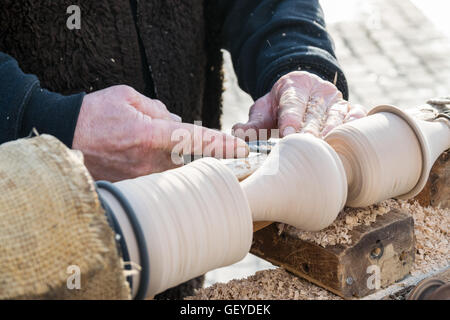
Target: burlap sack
x,y
51,225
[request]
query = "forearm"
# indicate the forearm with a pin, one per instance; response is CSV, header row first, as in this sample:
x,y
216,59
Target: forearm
x,y
268,39
24,105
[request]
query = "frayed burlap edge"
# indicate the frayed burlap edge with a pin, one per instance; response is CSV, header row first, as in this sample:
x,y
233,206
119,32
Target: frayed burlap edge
x,y
51,221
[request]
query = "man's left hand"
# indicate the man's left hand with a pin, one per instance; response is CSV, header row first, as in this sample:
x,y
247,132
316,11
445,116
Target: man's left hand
x,y
299,102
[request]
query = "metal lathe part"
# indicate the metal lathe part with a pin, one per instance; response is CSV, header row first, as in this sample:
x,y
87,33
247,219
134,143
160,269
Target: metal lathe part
x,y
262,146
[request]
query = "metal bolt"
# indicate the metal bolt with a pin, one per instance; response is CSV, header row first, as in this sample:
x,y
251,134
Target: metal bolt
x,y
375,253
378,251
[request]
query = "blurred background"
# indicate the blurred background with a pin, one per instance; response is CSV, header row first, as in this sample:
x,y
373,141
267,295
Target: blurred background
x,y
392,52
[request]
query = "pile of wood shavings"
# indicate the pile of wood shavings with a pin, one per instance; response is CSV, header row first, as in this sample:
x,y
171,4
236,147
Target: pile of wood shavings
x,y
339,231
431,229
273,284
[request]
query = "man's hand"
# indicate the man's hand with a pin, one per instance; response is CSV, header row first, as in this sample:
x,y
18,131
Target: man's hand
x,y
124,134
299,102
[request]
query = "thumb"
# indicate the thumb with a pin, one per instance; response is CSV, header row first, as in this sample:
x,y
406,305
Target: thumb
x,y
187,138
261,117
356,112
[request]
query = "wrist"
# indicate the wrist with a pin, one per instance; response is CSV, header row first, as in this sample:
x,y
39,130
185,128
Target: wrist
x,y
324,68
52,113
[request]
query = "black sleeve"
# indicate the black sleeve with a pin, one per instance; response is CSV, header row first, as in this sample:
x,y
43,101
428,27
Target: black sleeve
x,y
269,38
24,105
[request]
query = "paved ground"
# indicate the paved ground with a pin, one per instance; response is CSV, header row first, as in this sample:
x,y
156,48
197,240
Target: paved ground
x,y
391,52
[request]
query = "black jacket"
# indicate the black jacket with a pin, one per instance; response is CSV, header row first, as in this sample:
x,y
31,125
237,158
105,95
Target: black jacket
x,y
266,39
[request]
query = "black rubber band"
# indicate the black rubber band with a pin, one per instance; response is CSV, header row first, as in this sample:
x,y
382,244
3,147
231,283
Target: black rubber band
x,y
138,233
122,245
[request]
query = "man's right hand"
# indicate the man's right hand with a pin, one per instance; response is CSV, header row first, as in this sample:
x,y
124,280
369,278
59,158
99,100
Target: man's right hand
x,y
123,134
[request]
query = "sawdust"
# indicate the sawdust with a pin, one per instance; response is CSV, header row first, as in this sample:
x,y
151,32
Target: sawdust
x,y
274,284
431,229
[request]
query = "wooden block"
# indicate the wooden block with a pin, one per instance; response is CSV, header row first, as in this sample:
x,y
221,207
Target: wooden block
x,y
436,192
387,243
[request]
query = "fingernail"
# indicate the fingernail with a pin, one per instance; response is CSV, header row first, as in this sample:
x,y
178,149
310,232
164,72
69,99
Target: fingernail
x,y
175,117
242,152
288,130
